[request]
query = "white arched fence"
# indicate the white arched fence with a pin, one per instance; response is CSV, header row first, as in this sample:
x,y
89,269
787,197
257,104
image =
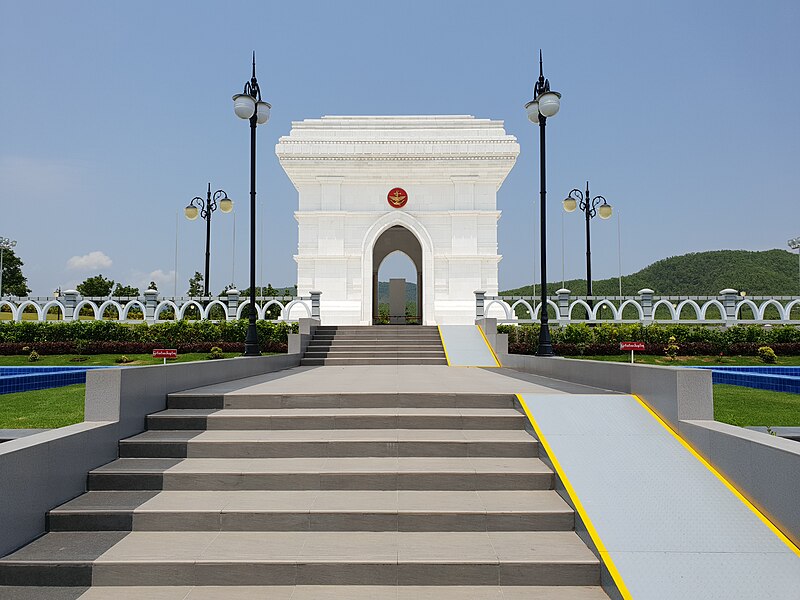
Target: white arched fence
x,y
647,308
150,309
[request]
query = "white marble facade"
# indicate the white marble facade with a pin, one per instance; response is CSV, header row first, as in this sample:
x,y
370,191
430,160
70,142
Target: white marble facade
x,y
450,168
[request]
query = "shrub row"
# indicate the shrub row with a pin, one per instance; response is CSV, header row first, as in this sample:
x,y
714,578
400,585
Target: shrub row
x,y
604,339
159,335
45,348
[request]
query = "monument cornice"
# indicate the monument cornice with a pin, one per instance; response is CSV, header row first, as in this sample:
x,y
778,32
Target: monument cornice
x,y
326,214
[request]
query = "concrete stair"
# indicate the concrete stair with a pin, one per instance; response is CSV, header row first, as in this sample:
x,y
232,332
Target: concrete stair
x,y
316,496
375,345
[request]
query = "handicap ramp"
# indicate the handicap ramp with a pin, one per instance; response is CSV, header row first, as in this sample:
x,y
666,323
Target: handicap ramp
x,y
466,346
667,526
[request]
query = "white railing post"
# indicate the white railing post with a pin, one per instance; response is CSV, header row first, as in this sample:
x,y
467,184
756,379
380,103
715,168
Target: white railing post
x,y
70,300
729,299
480,302
563,305
315,304
150,303
233,303
646,300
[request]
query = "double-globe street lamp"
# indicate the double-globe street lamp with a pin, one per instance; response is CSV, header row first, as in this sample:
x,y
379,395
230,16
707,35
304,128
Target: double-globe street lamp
x,y
591,207
545,104
204,208
5,244
249,106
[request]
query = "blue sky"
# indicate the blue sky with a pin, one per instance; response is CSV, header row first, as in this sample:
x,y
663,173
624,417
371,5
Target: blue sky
x,y
114,115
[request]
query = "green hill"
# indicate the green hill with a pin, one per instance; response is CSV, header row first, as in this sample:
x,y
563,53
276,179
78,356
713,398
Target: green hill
x,y
765,273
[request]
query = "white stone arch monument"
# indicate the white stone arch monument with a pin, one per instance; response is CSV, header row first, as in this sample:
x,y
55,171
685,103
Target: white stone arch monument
x,y
443,173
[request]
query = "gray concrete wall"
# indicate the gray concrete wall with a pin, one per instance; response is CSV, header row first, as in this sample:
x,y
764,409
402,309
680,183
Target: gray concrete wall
x,y
298,342
764,468
674,393
41,471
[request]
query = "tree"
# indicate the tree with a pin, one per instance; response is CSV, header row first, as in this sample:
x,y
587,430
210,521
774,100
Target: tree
x,y
14,282
265,292
196,284
152,286
125,291
97,286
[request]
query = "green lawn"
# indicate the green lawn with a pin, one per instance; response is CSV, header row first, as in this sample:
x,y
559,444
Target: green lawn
x,y
688,361
57,407
734,404
745,406
42,409
69,360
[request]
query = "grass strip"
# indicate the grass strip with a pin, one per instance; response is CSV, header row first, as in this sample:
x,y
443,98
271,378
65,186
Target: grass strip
x,y
748,407
93,360
43,409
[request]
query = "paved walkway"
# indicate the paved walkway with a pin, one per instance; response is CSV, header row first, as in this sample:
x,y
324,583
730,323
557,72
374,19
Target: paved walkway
x,y
410,379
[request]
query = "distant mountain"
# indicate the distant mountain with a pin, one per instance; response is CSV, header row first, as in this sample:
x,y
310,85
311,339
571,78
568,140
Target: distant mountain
x,y
765,273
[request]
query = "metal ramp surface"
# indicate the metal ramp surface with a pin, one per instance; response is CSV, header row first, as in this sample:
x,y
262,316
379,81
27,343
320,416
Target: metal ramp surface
x,y
667,525
466,346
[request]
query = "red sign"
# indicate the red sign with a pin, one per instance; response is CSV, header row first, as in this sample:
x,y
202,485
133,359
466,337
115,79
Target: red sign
x,y
397,198
631,345
165,353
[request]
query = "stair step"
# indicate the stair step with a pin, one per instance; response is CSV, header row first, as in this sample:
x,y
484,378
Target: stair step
x,y
329,443
312,592
343,400
343,362
375,348
359,351
433,343
303,557
403,473
540,510
349,337
339,418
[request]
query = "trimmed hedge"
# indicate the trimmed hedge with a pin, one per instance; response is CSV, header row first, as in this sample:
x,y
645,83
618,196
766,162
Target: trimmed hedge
x,y
45,348
580,339
105,337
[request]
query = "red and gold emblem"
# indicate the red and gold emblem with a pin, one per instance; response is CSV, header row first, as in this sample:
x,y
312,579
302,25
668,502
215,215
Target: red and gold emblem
x,y
397,198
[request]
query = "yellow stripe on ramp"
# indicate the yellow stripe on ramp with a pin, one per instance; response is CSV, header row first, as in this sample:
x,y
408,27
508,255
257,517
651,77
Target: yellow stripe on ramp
x,y
590,528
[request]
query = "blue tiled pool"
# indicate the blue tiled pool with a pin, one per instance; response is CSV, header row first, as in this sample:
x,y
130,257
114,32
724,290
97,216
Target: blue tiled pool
x,y
23,379
777,379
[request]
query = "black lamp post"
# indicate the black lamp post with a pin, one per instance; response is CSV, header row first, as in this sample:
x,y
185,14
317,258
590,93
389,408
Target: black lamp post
x,y
204,208
249,106
545,104
591,207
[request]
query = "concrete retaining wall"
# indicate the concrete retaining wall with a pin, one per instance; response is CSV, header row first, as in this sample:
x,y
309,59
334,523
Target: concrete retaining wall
x,y
41,471
764,468
675,394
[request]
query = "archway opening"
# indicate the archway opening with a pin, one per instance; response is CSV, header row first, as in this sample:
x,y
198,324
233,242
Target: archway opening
x,y
397,254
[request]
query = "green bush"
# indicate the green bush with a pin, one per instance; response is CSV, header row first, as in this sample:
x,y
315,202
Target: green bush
x,y
216,353
671,350
715,339
169,333
767,355
33,356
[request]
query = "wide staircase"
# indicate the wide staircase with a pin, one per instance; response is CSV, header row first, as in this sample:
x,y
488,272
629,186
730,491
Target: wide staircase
x,y
375,345
423,496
